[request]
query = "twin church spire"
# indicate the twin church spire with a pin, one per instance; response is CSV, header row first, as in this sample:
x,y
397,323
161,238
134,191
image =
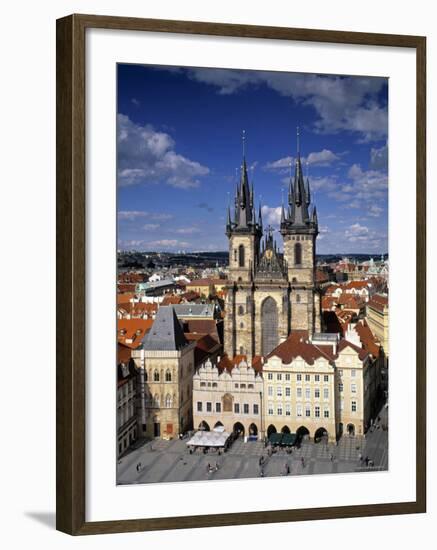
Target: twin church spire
x,y
245,219
297,217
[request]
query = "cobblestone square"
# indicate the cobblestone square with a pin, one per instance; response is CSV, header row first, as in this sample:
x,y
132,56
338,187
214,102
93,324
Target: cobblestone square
x,y
170,461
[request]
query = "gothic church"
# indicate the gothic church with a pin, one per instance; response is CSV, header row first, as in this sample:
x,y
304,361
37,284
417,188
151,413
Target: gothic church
x,y
270,294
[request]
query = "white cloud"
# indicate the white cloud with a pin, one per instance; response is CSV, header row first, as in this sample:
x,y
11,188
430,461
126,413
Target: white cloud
x,y
320,158
379,158
341,103
271,215
132,215
168,243
136,102
187,230
375,211
281,165
148,156
151,226
357,230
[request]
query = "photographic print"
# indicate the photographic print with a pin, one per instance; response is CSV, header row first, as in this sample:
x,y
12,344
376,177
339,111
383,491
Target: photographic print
x,y
252,274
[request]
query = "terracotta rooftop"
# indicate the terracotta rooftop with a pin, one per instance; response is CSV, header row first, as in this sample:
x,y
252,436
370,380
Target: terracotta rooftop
x,y
130,332
343,344
298,345
229,363
124,297
370,343
378,302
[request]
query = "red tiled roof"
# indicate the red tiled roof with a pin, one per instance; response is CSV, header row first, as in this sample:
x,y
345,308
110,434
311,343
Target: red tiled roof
x,y
190,296
362,353
129,277
172,299
227,363
378,302
126,287
124,297
123,353
357,284
370,343
350,301
202,326
330,289
298,345
321,276
135,329
328,302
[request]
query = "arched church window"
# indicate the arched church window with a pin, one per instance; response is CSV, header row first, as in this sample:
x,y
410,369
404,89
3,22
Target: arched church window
x,y
241,255
241,325
240,310
168,375
168,400
297,254
235,254
156,376
269,325
297,298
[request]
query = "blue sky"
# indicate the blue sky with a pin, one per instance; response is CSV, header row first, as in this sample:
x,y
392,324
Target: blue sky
x,y
179,150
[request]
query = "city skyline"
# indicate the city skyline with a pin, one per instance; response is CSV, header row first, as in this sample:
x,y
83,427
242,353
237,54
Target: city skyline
x,y
180,149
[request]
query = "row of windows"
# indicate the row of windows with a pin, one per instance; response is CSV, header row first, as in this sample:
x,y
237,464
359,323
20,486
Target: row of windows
x,y
353,405
155,401
218,407
167,377
300,411
287,377
214,385
301,238
353,372
279,392
353,388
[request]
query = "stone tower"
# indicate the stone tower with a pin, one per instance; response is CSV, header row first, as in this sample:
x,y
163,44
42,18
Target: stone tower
x,y
244,232
270,293
299,230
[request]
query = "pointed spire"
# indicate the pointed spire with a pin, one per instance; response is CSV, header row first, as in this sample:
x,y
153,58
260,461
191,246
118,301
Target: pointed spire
x,y
314,216
307,192
298,141
260,217
282,214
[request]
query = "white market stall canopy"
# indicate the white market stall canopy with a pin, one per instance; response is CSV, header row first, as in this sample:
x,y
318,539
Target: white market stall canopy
x,y
214,438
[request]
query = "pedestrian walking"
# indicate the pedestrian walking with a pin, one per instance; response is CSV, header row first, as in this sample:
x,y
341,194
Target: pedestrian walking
x,y
332,458
138,466
302,460
208,467
366,460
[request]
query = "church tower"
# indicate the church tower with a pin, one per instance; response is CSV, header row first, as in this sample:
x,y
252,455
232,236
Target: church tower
x,y
244,232
270,293
299,229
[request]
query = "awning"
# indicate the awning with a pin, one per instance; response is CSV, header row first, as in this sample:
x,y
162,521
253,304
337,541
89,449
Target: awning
x,y
209,439
288,439
275,438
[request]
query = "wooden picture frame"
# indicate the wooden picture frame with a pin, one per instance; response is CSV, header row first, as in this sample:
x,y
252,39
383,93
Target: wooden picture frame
x,y
71,252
